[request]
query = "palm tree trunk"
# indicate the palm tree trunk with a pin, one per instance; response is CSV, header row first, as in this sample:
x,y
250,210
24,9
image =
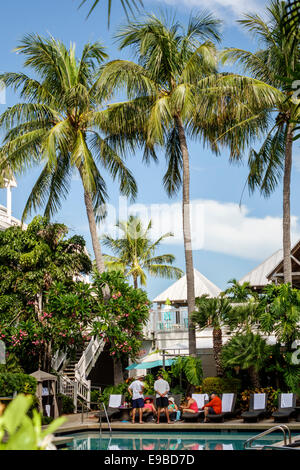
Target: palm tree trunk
x,y
254,377
135,282
217,347
287,264
186,218
93,230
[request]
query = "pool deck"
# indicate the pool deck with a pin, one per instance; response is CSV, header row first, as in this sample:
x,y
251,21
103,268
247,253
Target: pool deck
x,y
75,423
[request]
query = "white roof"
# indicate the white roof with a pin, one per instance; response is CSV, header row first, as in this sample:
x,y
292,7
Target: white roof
x,y
258,275
177,292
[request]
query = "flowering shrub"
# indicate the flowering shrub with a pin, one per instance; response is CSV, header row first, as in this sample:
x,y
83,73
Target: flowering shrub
x,y
37,336
121,316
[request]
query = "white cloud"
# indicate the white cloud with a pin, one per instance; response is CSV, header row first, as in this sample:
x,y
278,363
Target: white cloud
x,y
216,226
225,8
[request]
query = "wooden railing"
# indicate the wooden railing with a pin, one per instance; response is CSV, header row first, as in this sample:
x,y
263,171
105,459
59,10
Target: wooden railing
x,y
80,387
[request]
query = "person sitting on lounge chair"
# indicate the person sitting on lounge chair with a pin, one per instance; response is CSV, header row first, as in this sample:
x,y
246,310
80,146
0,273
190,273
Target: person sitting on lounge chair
x,y
149,406
190,406
174,412
213,407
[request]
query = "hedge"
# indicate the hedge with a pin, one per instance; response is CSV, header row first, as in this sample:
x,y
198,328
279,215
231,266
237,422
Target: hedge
x,y
20,383
220,385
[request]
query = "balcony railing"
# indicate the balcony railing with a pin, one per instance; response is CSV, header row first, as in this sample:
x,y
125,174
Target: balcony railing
x,y
168,320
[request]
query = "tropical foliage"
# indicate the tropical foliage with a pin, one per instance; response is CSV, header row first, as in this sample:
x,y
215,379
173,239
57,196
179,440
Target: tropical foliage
x,y
162,99
40,299
278,57
128,5
239,293
135,253
16,382
120,318
246,351
190,367
20,432
60,125
280,313
212,313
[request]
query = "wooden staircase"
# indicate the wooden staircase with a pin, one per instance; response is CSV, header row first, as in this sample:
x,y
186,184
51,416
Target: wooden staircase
x,y
69,369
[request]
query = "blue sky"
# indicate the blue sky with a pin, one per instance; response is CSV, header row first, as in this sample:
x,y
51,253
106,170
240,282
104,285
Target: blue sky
x,y
228,241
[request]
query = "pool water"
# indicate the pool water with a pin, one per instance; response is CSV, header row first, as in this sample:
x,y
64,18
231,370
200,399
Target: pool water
x,y
214,440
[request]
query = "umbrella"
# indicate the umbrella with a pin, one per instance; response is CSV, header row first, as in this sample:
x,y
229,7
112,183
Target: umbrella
x,y
150,361
150,365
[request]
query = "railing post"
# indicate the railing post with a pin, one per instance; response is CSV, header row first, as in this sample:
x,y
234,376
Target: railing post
x,y
89,394
75,396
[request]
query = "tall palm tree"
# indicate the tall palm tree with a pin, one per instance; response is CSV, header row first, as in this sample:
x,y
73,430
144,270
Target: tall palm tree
x,y
162,98
278,58
213,313
135,253
59,124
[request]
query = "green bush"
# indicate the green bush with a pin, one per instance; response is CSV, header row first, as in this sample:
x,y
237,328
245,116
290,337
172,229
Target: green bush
x,y
120,389
67,404
20,383
220,385
12,364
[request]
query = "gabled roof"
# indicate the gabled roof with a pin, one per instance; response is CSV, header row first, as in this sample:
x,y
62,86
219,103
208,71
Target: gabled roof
x,y
258,277
177,292
295,255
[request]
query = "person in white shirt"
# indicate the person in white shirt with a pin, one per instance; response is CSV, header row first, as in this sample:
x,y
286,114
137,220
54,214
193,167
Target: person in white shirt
x,y
162,388
136,389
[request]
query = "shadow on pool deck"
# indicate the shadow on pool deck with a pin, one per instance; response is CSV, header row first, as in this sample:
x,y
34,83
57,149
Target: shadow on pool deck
x,y
74,423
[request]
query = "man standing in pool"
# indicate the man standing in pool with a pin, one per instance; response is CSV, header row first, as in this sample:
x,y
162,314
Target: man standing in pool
x,y
136,389
162,389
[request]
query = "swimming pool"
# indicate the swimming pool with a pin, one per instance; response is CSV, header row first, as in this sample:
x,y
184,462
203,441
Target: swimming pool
x,y
149,441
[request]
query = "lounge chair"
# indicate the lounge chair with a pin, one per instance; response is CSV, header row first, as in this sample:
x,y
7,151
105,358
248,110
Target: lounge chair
x,y
115,401
228,405
286,407
257,408
200,399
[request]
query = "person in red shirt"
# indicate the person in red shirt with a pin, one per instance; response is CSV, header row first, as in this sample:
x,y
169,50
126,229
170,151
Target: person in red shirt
x,y
213,407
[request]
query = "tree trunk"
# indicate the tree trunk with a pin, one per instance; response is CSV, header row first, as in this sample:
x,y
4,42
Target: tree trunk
x,y
217,346
186,219
93,230
135,282
254,377
93,227
287,264
118,371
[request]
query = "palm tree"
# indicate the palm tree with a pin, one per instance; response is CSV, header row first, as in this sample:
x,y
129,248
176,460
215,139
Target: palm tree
x,y
279,57
292,16
135,253
213,313
247,352
128,6
239,293
59,124
162,98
